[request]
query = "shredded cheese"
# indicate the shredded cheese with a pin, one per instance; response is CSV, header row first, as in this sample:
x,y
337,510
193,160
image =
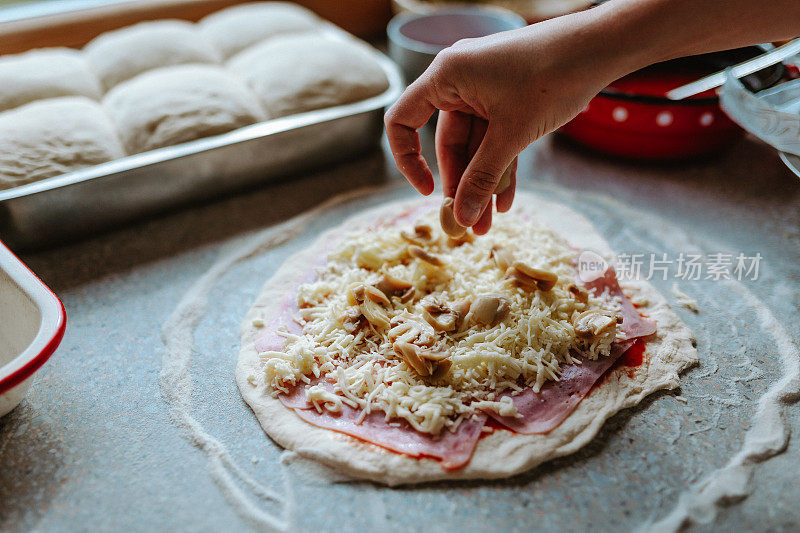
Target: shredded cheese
x,y
359,363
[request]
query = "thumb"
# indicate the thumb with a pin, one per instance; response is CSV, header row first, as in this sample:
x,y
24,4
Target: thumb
x,y
482,175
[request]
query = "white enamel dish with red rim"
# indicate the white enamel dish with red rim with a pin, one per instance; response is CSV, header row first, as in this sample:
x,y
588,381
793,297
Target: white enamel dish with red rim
x,y
32,322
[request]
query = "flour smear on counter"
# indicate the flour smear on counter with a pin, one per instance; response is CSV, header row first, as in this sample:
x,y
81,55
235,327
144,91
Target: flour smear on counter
x,y
769,432
176,382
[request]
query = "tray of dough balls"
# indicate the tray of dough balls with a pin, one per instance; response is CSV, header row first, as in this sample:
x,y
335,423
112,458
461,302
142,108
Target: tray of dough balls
x,y
166,112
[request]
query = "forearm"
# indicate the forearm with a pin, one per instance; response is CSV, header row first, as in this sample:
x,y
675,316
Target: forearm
x,y
658,30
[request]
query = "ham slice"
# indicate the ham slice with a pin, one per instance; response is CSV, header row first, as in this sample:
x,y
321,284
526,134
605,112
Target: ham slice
x,y
543,411
270,341
633,324
296,397
454,450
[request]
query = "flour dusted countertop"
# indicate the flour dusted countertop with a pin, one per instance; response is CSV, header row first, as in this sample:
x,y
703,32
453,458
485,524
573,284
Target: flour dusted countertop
x,y
93,446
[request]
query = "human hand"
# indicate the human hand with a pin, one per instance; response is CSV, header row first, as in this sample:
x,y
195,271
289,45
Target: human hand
x,y
496,95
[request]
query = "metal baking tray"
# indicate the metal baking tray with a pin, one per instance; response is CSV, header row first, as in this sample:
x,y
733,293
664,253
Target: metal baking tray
x,y
103,196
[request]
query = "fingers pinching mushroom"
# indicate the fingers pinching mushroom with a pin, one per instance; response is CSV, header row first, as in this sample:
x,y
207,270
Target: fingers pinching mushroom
x,y
505,180
489,310
448,219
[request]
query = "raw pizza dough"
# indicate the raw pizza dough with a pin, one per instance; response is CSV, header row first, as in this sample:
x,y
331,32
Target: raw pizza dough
x,y
234,29
120,55
52,137
501,454
179,104
296,73
45,73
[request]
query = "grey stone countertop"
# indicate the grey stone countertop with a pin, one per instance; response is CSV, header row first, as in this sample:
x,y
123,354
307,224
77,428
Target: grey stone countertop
x,y
93,446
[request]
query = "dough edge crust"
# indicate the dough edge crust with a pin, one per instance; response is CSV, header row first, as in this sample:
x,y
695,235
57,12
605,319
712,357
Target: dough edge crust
x,y
499,455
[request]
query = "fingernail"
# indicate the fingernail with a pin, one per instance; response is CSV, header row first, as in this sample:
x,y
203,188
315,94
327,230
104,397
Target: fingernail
x,y
471,210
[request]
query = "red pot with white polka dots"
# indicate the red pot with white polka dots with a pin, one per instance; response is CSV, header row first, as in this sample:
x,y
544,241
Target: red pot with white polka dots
x,y
633,118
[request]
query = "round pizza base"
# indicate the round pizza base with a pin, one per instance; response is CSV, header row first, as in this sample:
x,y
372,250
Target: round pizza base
x,y
503,453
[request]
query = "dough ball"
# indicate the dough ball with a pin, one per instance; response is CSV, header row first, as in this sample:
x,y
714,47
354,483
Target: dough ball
x,y
45,73
234,29
120,55
178,104
52,137
297,73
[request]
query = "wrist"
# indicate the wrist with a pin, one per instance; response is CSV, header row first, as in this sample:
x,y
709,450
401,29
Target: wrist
x,y
626,37
593,47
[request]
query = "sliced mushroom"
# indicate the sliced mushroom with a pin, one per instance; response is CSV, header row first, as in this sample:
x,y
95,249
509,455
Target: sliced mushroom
x,y
374,313
521,280
429,277
411,239
579,293
489,310
355,294
423,231
392,286
438,314
434,305
422,255
442,322
434,356
377,296
531,278
422,235
502,257
369,302
411,329
410,354
440,371
592,323
448,219
409,295
426,364
461,308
